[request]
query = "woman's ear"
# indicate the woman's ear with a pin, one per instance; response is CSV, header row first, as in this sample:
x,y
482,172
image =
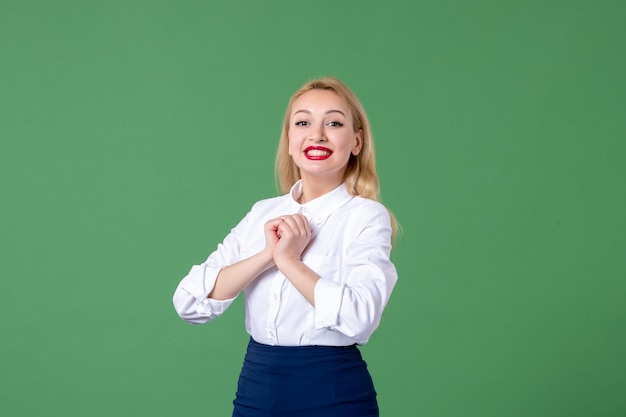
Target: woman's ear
x,y
359,143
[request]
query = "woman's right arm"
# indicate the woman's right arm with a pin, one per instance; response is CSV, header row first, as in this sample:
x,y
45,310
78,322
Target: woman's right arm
x,y
209,289
191,298
232,279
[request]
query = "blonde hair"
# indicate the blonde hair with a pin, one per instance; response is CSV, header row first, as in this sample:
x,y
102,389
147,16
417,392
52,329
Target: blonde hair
x,y
360,176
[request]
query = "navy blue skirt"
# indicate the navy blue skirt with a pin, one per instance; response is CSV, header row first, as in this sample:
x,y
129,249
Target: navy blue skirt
x,y
304,381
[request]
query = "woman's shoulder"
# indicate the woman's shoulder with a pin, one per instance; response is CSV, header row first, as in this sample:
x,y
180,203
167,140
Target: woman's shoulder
x,y
369,205
367,209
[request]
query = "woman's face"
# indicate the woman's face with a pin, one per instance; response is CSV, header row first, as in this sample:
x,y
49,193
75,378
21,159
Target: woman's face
x,y
322,137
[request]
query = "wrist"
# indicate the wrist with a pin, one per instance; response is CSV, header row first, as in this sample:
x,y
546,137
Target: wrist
x,y
265,258
283,262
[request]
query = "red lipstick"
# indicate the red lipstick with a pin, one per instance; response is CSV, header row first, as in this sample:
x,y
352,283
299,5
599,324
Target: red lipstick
x,y
317,153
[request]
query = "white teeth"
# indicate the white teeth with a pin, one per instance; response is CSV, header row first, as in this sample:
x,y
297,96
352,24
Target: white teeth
x,y
317,152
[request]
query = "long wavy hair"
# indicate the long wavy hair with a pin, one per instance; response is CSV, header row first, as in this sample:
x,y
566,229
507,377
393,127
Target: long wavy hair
x,y
360,176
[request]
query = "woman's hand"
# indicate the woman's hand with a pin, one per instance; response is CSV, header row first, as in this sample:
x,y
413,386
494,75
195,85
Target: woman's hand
x,y
287,237
271,235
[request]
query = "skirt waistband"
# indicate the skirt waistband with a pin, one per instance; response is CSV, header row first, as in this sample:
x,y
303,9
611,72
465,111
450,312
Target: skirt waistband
x,y
301,355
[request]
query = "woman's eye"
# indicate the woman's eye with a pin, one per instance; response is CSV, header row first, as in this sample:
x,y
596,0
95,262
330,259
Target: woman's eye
x,y
335,124
301,123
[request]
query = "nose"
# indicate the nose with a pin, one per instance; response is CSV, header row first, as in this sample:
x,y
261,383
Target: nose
x,y
317,134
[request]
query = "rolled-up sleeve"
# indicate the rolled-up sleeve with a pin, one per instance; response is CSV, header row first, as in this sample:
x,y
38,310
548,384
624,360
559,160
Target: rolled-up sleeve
x,y
353,302
191,300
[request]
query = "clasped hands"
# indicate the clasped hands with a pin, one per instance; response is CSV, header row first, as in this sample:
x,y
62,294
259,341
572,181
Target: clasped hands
x,y
286,237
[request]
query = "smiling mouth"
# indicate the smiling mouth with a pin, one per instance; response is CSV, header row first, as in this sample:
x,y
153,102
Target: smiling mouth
x,y
317,153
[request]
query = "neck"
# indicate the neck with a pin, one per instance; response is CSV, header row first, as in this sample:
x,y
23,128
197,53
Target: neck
x,y
314,189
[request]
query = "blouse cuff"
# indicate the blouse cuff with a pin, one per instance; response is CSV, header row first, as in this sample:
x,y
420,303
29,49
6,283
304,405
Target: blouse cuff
x,y
328,295
209,307
200,283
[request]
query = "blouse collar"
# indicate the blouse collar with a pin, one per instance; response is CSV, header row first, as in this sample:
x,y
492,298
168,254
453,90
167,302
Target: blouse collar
x,y
318,209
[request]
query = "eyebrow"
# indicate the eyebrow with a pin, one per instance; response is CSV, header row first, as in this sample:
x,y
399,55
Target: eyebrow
x,y
329,111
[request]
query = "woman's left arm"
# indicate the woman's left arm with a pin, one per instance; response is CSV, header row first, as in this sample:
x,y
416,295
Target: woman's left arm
x,y
354,303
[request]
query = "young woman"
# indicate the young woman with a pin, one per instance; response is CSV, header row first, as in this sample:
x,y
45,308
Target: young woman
x,y
314,266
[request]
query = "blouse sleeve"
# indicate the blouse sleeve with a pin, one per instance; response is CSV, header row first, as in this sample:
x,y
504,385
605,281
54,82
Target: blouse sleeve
x,y
353,304
191,296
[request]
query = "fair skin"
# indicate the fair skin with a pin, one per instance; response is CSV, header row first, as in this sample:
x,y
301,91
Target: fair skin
x,y
321,140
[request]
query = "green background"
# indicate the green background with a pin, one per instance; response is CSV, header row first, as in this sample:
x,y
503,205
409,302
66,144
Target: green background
x,y
135,134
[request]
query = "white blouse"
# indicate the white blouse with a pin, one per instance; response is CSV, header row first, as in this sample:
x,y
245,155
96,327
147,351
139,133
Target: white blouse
x,y
349,249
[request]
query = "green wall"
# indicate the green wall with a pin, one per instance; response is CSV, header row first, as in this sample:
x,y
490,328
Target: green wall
x,y
135,134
